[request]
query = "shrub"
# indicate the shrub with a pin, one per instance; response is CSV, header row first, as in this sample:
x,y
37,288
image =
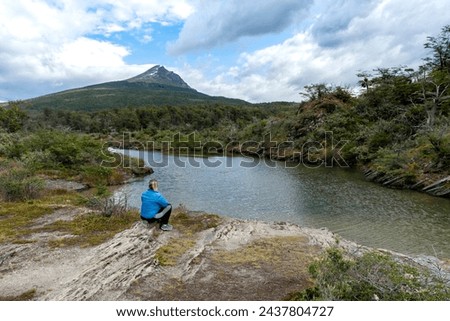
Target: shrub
x,y
109,206
389,161
38,160
372,276
12,118
94,175
64,149
18,184
11,145
379,140
440,141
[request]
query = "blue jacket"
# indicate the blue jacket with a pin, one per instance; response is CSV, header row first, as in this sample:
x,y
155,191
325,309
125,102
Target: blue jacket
x,y
152,203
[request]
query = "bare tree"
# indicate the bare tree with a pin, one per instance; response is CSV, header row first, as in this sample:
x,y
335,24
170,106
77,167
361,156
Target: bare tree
x,y
434,91
434,76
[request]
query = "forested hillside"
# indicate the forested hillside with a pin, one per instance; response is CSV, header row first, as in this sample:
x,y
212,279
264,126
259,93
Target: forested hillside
x,y
397,129
155,87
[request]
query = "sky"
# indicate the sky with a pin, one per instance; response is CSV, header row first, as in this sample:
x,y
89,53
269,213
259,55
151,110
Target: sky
x,y
260,51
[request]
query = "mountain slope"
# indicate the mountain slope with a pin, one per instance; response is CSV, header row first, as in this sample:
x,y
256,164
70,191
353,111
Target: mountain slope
x,y
155,87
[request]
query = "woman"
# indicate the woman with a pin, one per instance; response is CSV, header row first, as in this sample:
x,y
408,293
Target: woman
x,y
155,207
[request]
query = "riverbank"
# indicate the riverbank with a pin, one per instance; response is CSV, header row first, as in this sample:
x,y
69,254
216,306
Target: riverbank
x,y
205,257
432,183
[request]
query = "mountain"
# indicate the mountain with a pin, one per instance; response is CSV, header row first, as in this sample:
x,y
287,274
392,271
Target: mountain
x,y
155,87
160,75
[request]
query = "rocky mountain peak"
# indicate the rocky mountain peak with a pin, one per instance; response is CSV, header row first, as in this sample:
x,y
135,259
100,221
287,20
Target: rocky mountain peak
x,y
160,75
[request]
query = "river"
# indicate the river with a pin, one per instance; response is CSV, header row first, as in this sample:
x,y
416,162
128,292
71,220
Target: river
x,y
338,199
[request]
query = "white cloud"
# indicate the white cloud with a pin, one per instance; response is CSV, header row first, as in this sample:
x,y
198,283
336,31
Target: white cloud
x,y
133,13
49,43
219,22
85,52
389,34
264,75
53,45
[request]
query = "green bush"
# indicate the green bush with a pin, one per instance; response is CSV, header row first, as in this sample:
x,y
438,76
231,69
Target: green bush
x,y
38,160
387,160
109,206
18,184
95,175
11,145
441,147
372,276
379,140
12,118
65,149
68,154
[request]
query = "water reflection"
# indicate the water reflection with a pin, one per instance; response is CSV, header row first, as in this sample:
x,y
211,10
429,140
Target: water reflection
x,y
338,199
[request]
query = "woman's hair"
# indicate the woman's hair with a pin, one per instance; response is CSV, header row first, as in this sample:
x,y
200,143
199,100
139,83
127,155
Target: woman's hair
x,y
153,184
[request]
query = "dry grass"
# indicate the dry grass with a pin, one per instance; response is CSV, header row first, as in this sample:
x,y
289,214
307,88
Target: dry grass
x,y
289,255
17,221
187,225
266,269
26,296
171,253
90,229
17,217
191,223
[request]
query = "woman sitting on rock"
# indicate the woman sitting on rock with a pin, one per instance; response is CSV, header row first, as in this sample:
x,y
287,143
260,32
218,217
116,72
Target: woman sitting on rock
x,y
155,207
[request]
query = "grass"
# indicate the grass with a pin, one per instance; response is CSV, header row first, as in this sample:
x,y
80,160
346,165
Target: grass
x,y
17,217
169,254
188,225
26,296
191,224
292,253
91,229
16,221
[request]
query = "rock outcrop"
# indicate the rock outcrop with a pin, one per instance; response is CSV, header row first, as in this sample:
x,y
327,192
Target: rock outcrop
x,y
205,257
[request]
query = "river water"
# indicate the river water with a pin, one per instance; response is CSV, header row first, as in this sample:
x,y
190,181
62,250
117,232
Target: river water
x,y
338,199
